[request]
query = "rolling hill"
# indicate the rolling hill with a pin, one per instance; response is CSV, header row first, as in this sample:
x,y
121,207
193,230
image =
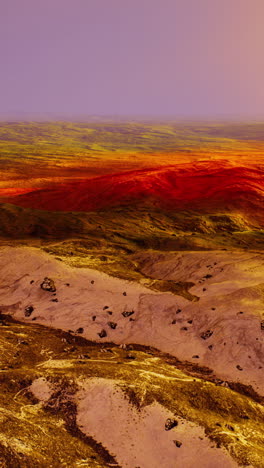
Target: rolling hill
x,y
203,186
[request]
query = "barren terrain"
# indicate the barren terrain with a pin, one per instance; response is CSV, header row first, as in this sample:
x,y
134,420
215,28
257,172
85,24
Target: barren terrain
x,y
131,295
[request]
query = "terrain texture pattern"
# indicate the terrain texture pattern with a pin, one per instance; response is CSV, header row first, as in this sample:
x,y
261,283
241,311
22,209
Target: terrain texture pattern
x,y
131,295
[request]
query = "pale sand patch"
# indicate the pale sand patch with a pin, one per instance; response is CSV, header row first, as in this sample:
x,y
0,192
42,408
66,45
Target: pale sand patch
x,y
138,438
41,388
235,285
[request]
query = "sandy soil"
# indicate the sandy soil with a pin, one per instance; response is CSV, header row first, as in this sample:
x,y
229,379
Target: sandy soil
x,y
227,284
137,437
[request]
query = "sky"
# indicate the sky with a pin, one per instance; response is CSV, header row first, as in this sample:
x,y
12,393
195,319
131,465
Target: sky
x,y
183,58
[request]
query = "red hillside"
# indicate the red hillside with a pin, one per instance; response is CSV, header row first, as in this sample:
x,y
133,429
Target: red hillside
x,y
200,186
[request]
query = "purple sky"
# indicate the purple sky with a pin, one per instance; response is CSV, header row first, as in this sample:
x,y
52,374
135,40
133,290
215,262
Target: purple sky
x,y
148,57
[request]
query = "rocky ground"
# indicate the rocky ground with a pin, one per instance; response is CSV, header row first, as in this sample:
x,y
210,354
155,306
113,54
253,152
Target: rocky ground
x,y
127,375
131,295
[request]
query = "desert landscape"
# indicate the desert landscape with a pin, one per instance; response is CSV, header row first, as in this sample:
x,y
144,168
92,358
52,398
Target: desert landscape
x,y
132,293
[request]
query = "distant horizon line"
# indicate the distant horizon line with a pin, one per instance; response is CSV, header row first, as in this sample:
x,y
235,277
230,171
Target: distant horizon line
x,y
83,117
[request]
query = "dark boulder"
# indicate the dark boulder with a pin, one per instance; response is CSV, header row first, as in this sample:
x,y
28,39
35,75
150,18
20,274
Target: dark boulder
x,y
48,285
205,335
112,325
170,424
177,443
127,313
102,334
28,311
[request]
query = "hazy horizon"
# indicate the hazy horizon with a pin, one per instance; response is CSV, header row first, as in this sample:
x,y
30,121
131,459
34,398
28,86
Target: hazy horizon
x,y
93,118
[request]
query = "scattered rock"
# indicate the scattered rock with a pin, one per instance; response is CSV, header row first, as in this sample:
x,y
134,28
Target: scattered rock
x,y
170,424
224,384
105,307
28,311
184,328
32,281
93,318
84,356
204,289
195,356
189,321
210,347
218,381
69,350
178,311
124,293
80,330
102,334
130,356
110,312
230,427
127,313
112,325
239,367
67,284
205,335
92,282
177,443
54,300
174,321
208,276
48,285
262,325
